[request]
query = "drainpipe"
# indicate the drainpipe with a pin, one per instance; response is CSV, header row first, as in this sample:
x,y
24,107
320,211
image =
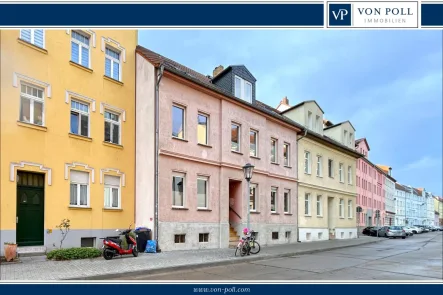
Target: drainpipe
x,y
298,231
157,87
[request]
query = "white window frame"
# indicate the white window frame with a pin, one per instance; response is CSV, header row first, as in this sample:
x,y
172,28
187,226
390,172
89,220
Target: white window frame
x,y
243,82
119,194
308,203
80,45
319,205
350,215
274,140
256,142
183,176
317,124
310,120
350,138
88,192
79,112
274,190
288,152
207,128
341,173
33,36
253,185
288,200
206,179
114,60
112,122
341,209
307,162
238,137
32,100
345,136
184,120
319,168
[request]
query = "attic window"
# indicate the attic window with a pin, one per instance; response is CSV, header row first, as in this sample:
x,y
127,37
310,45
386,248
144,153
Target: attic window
x,y
243,89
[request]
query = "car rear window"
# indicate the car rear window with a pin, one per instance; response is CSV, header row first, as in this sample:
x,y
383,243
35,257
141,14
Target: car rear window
x,y
395,228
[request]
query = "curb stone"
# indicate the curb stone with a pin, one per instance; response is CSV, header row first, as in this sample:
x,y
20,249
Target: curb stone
x,y
211,264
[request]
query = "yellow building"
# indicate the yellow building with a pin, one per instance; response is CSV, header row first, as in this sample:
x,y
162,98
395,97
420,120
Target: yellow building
x,y
438,205
327,192
67,135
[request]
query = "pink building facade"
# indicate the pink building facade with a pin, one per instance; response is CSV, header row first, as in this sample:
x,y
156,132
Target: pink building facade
x,y
370,188
205,136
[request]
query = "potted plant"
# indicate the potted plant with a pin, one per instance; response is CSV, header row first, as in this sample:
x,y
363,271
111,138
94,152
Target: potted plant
x,y
10,251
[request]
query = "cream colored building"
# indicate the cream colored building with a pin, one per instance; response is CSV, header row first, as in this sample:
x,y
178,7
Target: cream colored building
x,y
327,189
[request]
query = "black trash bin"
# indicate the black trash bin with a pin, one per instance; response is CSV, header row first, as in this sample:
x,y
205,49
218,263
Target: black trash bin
x,y
143,235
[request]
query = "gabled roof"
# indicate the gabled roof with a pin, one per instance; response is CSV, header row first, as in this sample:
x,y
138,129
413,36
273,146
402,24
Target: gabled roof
x,y
418,192
400,187
302,103
231,67
357,142
338,124
384,168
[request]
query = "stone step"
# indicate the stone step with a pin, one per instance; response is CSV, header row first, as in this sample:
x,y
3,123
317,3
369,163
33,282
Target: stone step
x,y
29,251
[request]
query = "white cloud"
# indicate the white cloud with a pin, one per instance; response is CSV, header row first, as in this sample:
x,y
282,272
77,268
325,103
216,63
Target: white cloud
x,y
422,163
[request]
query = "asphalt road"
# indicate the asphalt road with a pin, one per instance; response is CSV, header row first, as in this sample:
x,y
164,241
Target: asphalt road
x,y
415,258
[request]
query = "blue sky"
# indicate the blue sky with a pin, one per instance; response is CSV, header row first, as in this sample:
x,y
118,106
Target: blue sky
x,y
387,83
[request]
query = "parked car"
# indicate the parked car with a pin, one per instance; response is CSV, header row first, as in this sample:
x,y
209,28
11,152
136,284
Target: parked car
x,y
425,230
409,231
381,231
416,230
367,230
396,232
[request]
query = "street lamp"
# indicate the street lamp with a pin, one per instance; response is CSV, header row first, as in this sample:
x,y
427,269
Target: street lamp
x,y
248,169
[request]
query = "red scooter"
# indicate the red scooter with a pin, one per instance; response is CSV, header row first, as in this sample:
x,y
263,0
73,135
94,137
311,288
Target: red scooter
x,y
112,246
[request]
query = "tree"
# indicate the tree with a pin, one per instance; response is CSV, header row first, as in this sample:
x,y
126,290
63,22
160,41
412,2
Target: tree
x,y
64,227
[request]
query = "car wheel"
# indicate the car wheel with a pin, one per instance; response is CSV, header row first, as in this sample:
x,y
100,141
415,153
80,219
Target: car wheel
x,y
403,238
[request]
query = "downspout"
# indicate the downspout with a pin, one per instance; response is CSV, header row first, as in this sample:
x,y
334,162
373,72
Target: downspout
x,y
298,230
156,156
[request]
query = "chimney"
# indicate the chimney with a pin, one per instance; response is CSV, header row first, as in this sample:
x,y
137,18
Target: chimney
x,y
217,70
284,104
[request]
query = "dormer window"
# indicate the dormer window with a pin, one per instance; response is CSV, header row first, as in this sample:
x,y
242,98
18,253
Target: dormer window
x,y
317,124
350,138
345,137
310,120
243,89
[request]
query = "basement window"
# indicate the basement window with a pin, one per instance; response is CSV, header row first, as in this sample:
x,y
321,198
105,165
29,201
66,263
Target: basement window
x,y
275,235
203,238
179,239
287,234
87,242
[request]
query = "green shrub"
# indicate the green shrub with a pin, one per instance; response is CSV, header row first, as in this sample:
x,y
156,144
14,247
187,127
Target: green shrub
x,y
73,253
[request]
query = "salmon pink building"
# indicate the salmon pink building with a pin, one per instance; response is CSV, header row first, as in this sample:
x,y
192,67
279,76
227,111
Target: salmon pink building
x,y
194,134
370,188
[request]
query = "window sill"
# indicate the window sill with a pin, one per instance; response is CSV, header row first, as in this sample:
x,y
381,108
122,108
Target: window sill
x,y
319,216
204,145
179,208
341,217
275,213
79,208
254,157
274,163
319,176
112,209
81,137
30,45
254,212
289,214
32,126
114,145
113,80
181,139
81,67
350,217
204,209
235,152
289,167
308,215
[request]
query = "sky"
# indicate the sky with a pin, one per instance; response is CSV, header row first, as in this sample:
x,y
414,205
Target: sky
x,y
387,83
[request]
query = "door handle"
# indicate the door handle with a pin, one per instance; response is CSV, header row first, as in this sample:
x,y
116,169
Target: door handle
x,y
16,219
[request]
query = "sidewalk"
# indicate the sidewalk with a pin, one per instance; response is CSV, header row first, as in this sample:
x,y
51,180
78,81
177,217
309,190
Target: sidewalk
x,y
38,268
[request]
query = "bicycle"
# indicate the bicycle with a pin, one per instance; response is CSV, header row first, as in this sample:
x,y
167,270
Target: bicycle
x,y
248,244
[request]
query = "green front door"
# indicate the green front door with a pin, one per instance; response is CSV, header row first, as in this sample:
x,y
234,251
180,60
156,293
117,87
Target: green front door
x,y
30,209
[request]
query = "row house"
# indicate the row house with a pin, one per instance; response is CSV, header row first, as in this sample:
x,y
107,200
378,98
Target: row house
x,y
438,206
389,183
411,207
194,134
327,189
67,135
428,198
371,188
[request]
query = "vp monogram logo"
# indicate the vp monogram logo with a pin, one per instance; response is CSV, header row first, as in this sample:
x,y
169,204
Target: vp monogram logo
x,y
340,14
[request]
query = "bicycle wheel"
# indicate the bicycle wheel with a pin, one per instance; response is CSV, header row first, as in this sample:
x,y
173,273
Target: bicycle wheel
x,y
255,247
244,249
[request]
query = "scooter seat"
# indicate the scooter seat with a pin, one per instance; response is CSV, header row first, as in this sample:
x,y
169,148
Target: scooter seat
x,y
118,241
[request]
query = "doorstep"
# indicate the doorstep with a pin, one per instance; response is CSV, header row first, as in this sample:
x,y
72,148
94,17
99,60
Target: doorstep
x,y
29,251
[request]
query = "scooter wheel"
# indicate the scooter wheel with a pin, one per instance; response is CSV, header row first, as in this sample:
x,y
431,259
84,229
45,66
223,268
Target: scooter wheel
x,y
135,251
108,255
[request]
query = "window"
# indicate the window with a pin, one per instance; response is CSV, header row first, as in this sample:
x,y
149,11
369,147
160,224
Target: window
x,y
349,209
253,197
87,242
79,118
202,192
273,200
310,120
178,122
286,201
349,174
331,168
202,129
319,207
235,137
243,89
317,125
275,235
79,189
340,171
80,48
112,192
112,64
33,36
178,190
286,154
253,143
341,211
319,166
274,144
307,204
179,239
112,127
345,136
287,234
32,105
307,162
203,238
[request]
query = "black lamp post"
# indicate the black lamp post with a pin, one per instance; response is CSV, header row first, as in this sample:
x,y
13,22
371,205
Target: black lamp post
x,y
248,169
